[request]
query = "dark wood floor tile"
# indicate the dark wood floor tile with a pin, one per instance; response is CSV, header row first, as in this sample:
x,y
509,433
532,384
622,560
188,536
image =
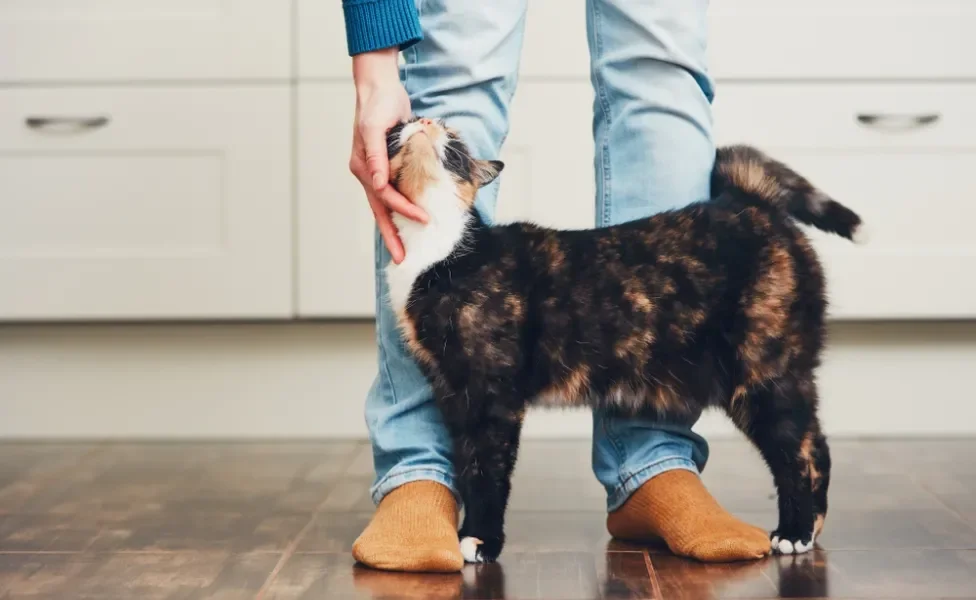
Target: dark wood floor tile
x,y
333,532
362,462
350,494
164,531
43,575
926,456
810,575
549,576
556,531
625,576
555,459
45,533
517,576
132,481
203,531
28,468
147,576
558,494
755,493
337,577
915,574
681,579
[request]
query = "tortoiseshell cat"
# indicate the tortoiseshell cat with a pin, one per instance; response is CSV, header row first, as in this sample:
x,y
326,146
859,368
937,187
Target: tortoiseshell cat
x,y
719,304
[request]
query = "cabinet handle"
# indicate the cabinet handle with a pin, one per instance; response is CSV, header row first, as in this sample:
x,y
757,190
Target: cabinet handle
x,y
66,124
893,122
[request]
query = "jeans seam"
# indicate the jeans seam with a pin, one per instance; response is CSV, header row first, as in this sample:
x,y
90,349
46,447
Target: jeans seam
x,y
615,444
605,209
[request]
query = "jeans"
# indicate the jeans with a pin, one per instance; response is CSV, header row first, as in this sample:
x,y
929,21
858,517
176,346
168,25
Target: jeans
x,y
653,151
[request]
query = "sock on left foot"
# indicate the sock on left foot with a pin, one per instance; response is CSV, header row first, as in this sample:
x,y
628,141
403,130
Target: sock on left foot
x,y
676,507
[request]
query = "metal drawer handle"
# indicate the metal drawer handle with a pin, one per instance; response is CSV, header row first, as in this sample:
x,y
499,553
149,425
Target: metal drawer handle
x,y
892,122
66,124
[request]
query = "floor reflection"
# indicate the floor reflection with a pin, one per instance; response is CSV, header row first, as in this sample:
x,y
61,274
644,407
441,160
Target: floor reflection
x,y
804,576
612,575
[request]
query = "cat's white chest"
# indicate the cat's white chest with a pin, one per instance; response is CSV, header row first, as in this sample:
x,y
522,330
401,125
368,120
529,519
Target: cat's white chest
x,y
425,245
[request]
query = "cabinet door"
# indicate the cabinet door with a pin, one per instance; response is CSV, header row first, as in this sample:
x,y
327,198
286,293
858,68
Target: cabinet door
x,y
111,40
321,45
900,155
335,225
145,203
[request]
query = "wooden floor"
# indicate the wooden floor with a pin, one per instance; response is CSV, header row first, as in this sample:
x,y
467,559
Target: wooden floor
x,y
229,521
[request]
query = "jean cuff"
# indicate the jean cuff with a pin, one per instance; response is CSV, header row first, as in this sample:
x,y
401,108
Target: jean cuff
x,y
645,474
396,478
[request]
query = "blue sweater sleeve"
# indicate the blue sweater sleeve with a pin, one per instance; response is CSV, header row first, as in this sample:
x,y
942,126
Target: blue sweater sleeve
x,y
377,24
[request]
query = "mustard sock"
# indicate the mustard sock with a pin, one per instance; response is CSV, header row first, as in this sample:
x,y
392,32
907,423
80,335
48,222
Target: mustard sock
x,y
414,529
675,507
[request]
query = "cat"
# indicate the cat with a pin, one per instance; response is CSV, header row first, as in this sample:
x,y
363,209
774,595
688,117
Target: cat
x,y
718,304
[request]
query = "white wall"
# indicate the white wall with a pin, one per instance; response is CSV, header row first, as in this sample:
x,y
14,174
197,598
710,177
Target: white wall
x,y
309,379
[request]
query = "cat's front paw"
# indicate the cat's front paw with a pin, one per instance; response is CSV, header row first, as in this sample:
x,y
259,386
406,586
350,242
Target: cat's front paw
x,y
786,542
477,550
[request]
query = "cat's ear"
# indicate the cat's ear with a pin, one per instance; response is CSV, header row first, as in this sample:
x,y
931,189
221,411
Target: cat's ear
x,y
485,171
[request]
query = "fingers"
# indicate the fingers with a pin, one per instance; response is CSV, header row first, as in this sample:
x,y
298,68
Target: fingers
x,y
377,162
378,174
387,230
395,201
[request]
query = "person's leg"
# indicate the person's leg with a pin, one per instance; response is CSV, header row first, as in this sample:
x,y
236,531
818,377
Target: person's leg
x,y
654,151
463,71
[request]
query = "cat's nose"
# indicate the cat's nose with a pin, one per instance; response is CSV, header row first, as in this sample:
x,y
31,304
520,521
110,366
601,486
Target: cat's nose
x,y
426,122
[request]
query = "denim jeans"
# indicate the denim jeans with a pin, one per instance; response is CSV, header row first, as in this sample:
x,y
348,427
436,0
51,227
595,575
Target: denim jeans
x,y
653,151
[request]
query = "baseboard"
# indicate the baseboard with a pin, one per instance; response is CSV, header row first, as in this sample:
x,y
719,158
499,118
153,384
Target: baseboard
x,y
308,380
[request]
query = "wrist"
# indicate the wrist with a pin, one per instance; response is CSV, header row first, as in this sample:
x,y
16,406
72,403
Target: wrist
x,y
375,69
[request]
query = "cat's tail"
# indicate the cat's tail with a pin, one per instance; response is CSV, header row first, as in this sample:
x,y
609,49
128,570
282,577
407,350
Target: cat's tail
x,y
763,179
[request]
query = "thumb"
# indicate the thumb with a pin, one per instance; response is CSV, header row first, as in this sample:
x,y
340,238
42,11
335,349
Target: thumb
x,y
377,160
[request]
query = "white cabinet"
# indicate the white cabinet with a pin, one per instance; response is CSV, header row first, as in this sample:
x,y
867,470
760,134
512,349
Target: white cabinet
x,y
321,40
335,225
787,40
154,202
139,40
842,39
902,156
175,193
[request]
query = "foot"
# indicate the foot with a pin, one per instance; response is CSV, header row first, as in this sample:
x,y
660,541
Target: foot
x,y
675,507
414,529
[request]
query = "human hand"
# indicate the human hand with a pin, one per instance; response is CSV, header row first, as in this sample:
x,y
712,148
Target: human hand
x,y
381,102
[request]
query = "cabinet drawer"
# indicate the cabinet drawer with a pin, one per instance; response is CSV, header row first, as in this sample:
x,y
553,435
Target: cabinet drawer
x,y
111,40
842,39
145,203
907,172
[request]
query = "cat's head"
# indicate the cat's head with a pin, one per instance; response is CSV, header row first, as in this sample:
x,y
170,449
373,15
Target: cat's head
x,y
430,163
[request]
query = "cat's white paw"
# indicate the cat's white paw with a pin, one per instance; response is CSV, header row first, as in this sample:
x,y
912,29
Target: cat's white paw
x,y
785,546
469,550
803,548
